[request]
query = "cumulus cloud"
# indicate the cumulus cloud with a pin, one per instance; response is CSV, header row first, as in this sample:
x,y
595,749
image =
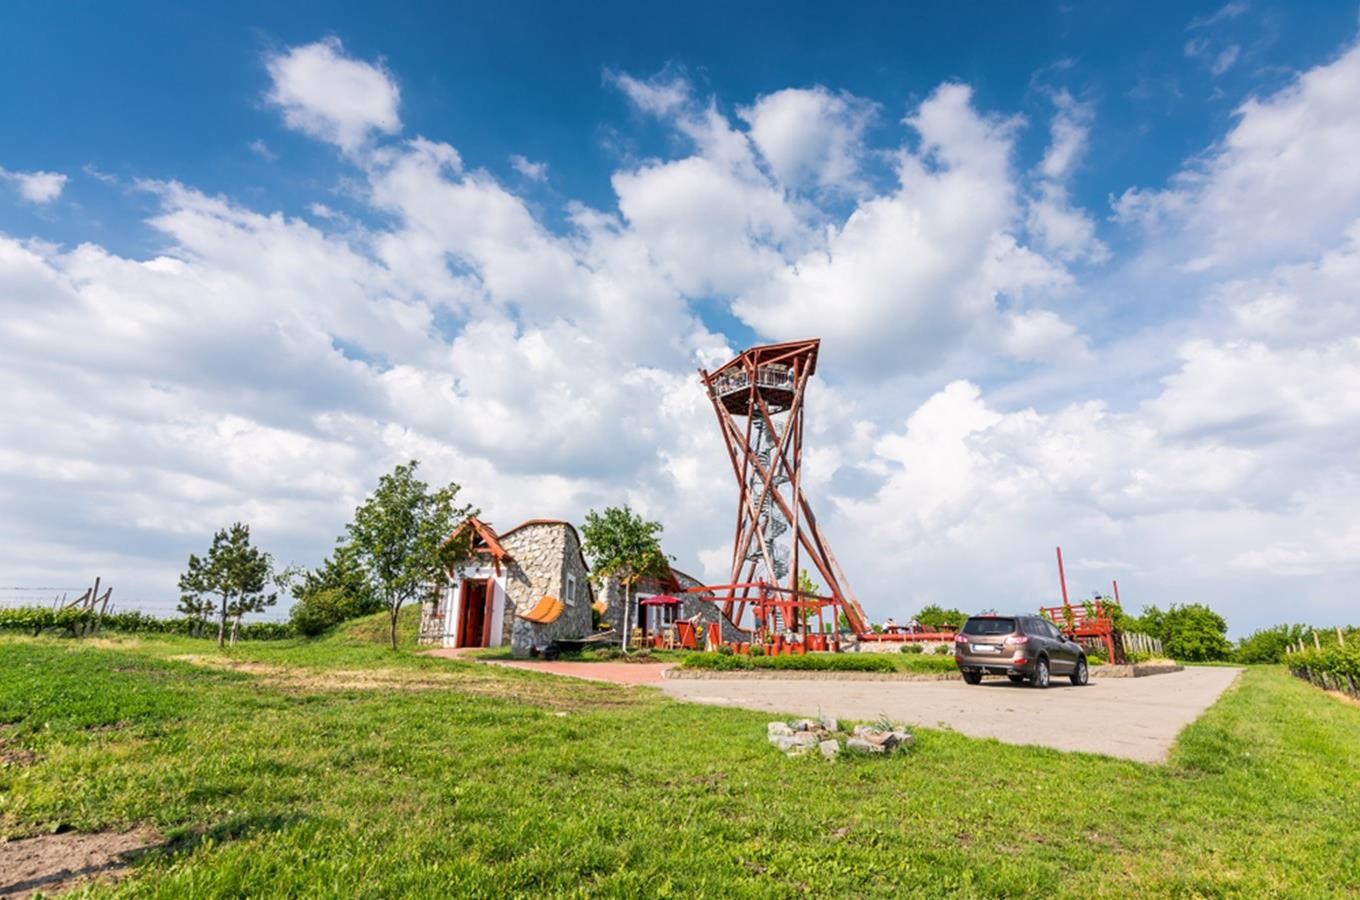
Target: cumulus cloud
x,y
908,275
38,188
811,137
329,95
1278,186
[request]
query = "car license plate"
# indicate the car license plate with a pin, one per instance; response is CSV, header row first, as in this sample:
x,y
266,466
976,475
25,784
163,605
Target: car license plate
x,y
984,648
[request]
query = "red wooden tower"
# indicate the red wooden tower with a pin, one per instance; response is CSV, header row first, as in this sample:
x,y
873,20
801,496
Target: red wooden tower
x,y
758,398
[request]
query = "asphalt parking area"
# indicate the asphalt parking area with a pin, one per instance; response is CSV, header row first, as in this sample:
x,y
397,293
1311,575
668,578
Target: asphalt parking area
x,y
1133,718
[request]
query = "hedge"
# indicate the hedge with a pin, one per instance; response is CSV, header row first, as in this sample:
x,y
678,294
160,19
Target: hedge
x,y
1331,668
816,662
36,619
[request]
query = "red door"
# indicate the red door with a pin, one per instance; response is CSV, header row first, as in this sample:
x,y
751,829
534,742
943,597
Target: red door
x,y
474,617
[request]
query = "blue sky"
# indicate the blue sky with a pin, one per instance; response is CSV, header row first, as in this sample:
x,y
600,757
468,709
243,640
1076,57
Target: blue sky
x,y
1083,274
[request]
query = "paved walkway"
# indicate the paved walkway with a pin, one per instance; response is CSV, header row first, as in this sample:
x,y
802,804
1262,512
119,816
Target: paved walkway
x,y
616,672
1134,718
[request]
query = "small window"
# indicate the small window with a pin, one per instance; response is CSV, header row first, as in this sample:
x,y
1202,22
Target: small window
x,y
570,598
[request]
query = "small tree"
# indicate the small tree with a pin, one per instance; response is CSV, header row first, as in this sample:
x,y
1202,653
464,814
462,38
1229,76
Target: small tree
x,y
622,545
231,579
196,607
399,537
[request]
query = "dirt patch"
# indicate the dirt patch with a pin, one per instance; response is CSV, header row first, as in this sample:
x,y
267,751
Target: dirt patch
x,y
479,681
53,863
1344,698
11,754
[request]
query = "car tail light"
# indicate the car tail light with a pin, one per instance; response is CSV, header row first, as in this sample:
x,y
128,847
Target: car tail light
x,y
1020,639
960,638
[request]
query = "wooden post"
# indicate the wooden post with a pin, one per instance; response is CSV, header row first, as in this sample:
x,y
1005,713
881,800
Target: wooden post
x,y
1317,644
1340,637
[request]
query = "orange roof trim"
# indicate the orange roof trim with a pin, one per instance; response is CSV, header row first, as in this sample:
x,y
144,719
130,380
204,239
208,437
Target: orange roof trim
x,y
484,538
546,610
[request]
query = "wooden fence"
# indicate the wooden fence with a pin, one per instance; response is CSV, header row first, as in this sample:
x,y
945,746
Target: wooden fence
x,y
1137,642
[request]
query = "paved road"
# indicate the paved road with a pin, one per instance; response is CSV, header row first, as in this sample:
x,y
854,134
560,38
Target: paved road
x,y
1135,718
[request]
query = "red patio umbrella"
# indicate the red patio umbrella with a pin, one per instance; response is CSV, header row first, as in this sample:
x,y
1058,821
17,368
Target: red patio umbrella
x,y
660,600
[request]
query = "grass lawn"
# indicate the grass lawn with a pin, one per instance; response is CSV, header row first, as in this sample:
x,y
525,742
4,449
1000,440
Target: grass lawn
x,y
336,767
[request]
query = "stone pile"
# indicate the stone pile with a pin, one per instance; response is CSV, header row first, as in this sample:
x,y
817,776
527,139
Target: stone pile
x,y
825,736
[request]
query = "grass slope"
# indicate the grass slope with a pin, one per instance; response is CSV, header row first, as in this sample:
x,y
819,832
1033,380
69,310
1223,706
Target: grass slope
x,y
285,770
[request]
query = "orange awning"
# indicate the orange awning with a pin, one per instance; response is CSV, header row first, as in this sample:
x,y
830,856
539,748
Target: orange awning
x,y
546,610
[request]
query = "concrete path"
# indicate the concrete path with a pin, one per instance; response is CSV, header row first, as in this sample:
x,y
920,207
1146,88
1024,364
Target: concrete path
x,y
1134,718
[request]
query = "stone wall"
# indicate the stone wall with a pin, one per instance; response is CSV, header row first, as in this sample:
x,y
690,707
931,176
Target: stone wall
x,y
545,558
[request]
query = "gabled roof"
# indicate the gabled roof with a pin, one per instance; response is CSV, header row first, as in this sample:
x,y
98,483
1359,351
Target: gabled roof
x,y
484,539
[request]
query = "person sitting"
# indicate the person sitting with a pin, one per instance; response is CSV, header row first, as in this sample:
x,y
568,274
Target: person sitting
x,y
890,625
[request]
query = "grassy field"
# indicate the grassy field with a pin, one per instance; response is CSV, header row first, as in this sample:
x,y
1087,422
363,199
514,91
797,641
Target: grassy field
x,y
338,768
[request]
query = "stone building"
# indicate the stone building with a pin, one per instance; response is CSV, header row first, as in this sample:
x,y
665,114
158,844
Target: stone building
x,y
650,618
524,589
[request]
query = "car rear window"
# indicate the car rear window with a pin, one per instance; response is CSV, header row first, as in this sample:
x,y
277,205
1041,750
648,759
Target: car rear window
x,y
989,626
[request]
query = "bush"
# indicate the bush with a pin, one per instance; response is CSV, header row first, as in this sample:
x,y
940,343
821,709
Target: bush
x,y
913,648
1192,632
817,662
318,611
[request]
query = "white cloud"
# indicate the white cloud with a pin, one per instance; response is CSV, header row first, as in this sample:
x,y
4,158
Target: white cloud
x,y
811,137
1056,225
1225,59
261,149
909,275
659,96
38,188
331,96
534,171
1280,185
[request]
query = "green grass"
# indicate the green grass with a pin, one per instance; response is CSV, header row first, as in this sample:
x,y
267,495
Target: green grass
x,y
462,779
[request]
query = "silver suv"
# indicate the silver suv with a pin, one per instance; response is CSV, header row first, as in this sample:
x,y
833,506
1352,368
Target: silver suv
x,y
1023,648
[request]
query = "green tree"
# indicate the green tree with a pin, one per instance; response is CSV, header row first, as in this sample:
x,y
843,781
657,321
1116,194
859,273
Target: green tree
x,y
1152,623
1194,632
399,538
621,544
231,580
936,617
334,592
806,585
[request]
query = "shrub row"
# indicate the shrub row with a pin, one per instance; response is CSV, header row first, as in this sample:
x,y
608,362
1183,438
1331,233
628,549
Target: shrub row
x,y
1332,668
815,662
37,619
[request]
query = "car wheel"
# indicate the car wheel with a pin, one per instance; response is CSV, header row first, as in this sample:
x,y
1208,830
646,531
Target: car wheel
x,y
1041,673
1082,673
1016,679
972,677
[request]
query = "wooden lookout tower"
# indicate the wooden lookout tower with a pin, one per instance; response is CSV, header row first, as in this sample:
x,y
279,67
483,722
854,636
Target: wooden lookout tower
x,y
758,398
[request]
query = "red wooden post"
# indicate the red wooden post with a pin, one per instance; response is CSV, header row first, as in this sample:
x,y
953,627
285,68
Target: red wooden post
x,y
1116,594
1062,580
